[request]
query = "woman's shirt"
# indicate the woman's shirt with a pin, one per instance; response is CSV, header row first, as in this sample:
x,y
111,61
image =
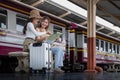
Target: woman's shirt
x,y
41,33
31,32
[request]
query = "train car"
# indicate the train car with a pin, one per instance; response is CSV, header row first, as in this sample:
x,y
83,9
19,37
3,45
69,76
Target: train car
x,y
107,52
14,15
12,22
11,38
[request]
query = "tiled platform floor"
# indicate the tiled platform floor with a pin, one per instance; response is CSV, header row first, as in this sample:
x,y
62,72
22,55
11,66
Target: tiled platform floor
x,y
65,76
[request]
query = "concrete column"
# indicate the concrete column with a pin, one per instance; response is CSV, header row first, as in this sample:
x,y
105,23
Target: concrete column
x,y
91,36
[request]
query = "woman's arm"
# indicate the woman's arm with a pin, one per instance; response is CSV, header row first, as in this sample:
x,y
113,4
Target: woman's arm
x,y
42,38
32,29
58,44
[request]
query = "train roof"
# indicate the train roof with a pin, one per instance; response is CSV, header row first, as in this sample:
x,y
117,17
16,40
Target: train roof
x,y
63,13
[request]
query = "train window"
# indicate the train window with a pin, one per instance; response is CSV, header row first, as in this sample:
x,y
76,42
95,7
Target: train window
x,y
110,48
114,51
57,29
117,49
97,44
85,41
3,18
20,22
106,47
102,46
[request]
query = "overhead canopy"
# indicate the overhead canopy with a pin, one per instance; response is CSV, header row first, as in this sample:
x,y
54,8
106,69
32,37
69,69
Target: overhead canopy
x,y
54,9
106,9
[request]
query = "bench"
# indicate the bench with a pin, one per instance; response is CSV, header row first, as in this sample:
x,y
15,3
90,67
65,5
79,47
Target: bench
x,y
22,58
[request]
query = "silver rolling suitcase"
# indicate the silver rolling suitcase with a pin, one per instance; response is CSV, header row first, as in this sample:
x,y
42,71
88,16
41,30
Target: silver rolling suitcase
x,y
40,56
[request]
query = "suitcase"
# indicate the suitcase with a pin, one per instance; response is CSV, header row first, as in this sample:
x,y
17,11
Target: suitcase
x,y
40,56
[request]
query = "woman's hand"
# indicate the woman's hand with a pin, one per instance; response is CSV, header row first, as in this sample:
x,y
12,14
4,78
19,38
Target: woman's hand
x,y
46,36
49,33
42,38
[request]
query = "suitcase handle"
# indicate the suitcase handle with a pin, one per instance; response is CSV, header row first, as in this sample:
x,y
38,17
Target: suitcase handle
x,y
37,44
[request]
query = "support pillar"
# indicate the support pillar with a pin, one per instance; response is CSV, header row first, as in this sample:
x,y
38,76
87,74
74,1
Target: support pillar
x,y
72,46
91,36
80,46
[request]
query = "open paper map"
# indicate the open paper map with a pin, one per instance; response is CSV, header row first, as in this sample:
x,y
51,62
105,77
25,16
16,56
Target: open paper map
x,y
53,37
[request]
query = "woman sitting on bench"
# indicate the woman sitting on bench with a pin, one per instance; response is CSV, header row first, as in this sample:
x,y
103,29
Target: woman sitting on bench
x,y
56,50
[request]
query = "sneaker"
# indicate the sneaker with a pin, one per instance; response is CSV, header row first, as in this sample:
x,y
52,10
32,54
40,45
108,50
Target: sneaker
x,y
58,70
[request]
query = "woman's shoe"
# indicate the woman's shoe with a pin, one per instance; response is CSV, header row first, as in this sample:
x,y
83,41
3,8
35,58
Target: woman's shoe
x,y
58,70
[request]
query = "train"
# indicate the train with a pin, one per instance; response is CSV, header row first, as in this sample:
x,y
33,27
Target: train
x,y
14,15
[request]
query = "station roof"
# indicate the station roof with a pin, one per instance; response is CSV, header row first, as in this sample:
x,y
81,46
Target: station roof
x,y
106,9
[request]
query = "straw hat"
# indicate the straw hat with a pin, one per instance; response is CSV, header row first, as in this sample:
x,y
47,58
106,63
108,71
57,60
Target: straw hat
x,y
34,14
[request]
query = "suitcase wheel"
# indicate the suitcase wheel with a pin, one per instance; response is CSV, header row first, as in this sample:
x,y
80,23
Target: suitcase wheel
x,y
43,70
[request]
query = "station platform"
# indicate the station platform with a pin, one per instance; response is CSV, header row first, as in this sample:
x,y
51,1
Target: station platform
x,y
64,76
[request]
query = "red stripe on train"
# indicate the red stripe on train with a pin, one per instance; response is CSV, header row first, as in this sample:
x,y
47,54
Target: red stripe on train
x,y
4,50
